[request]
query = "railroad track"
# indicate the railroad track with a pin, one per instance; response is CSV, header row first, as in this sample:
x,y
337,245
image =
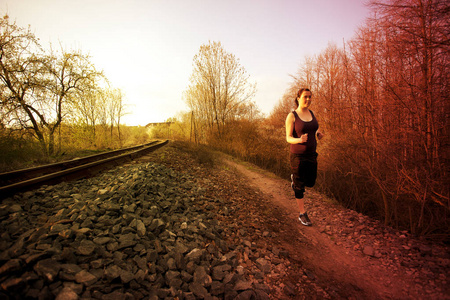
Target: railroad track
x,y
26,179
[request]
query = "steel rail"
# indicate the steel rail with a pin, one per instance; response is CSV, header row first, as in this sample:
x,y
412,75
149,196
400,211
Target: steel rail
x,y
88,167
8,178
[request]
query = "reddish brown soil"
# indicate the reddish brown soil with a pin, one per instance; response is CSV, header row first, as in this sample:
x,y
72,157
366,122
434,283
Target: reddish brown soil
x,y
351,273
315,250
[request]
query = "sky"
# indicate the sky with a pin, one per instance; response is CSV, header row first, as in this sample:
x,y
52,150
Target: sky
x,y
146,47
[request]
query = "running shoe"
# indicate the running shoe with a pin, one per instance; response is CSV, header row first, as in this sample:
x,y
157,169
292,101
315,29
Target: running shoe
x,y
305,219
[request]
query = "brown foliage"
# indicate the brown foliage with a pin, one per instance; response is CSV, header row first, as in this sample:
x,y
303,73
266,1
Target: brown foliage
x,y
382,101
384,104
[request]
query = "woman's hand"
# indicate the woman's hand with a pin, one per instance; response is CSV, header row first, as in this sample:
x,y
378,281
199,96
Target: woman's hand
x,y
303,138
320,135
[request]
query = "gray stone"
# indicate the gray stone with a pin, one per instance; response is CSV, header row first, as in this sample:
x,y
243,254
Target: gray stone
x,y
67,294
201,276
111,207
77,288
126,276
140,275
48,269
102,240
85,278
242,285
10,266
157,225
180,247
368,250
117,295
112,272
57,228
70,268
198,290
217,288
171,264
15,208
173,279
102,191
263,265
195,255
217,273
127,240
12,284
140,228
86,247
262,295
186,277
246,295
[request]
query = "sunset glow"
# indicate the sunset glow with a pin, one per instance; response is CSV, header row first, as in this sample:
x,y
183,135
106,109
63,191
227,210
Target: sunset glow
x,y
146,47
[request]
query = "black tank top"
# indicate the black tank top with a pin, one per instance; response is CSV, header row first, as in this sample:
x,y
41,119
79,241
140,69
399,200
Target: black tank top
x,y
302,127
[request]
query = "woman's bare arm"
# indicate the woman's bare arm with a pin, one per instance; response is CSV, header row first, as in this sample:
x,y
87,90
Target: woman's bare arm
x,y
290,131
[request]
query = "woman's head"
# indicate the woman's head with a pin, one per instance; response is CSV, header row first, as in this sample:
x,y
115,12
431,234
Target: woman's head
x,y
302,95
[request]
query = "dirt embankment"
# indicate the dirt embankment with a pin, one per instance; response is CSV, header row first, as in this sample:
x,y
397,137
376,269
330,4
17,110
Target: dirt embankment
x,y
348,252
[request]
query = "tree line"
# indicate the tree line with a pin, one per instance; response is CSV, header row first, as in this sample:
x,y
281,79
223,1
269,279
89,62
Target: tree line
x,y
56,97
381,98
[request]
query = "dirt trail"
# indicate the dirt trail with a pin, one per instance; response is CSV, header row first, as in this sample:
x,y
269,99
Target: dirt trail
x,y
351,273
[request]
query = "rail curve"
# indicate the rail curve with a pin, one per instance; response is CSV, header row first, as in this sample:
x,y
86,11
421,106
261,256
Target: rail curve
x,y
26,179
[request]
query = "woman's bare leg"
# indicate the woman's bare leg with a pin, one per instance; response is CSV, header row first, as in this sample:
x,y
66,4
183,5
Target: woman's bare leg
x,y
301,205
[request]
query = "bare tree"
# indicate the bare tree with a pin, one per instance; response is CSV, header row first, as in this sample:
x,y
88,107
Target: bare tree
x,y
220,90
22,70
116,109
70,73
37,89
414,56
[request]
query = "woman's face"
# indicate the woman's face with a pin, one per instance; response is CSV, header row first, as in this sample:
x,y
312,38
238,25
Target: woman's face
x,y
304,101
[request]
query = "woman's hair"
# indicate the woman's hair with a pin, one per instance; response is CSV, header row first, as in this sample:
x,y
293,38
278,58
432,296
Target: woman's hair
x,y
299,94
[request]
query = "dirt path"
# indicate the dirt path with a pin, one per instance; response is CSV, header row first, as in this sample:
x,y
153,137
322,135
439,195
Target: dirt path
x,y
351,273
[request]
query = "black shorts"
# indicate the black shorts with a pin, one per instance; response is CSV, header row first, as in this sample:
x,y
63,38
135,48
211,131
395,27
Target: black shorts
x,y
304,172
